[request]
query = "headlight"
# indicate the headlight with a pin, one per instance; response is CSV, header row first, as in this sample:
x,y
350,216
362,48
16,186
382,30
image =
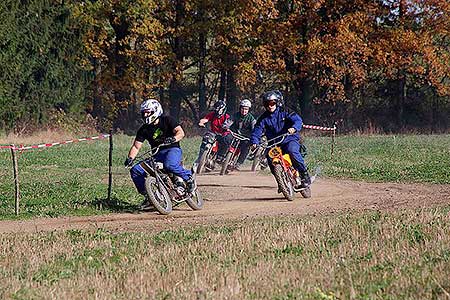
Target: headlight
x,y
275,152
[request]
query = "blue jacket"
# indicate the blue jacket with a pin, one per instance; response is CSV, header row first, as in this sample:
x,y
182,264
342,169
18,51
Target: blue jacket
x,y
275,124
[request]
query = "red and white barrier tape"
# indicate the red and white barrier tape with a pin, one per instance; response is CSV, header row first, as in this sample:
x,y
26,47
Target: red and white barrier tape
x,y
319,127
20,148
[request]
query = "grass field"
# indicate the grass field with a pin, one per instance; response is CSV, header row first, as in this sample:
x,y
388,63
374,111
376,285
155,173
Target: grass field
x,y
404,255
72,179
370,255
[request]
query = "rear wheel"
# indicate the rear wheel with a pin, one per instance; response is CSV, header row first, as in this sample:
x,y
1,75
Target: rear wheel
x,y
158,195
195,201
306,193
283,182
226,163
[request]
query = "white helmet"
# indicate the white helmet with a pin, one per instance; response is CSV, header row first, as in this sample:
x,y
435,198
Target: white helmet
x,y
155,109
246,103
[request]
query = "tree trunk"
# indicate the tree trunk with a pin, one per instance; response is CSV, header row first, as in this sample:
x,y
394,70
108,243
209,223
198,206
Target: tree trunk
x,y
202,75
119,68
401,100
223,84
231,92
175,95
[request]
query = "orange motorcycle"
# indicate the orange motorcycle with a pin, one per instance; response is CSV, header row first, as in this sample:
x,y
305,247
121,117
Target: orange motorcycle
x,y
287,177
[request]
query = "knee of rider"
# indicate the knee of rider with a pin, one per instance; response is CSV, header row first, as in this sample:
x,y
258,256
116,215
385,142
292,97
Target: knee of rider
x,y
135,171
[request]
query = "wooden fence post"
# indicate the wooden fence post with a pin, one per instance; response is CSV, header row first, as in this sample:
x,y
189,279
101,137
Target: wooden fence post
x,y
332,139
16,179
110,165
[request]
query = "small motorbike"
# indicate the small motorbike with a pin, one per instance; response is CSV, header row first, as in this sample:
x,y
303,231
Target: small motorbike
x,y
207,161
166,190
286,175
233,153
258,157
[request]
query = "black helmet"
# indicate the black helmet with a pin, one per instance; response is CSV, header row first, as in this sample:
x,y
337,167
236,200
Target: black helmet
x,y
272,96
220,108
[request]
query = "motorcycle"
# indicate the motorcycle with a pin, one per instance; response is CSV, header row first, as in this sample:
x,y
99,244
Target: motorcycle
x,y
164,189
257,156
207,161
285,174
233,153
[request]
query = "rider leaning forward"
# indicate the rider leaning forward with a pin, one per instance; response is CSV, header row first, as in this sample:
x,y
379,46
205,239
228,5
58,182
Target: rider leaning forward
x,y
243,123
274,122
220,122
158,129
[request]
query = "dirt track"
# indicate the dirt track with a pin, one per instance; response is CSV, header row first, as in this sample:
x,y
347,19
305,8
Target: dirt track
x,y
246,195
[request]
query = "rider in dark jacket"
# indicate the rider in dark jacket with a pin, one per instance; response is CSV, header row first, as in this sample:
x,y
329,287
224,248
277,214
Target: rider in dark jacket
x,y
243,123
274,122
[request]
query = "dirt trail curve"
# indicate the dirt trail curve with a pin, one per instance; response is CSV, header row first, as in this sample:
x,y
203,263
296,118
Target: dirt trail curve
x,y
246,195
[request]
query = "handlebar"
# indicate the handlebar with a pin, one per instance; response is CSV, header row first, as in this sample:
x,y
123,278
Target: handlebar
x,y
239,136
147,154
271,143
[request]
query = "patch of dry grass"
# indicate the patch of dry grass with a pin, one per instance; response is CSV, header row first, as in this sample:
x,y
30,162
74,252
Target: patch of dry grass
x,y
370,256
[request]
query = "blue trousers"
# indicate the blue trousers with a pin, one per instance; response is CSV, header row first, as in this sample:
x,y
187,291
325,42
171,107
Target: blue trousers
x,y
171,159
293,149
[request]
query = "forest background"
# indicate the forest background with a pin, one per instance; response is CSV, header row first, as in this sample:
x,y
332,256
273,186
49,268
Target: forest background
x,y
364,65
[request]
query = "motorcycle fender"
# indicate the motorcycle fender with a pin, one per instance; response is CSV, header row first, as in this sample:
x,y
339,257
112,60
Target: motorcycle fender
x,y
276,160
287,158
215,147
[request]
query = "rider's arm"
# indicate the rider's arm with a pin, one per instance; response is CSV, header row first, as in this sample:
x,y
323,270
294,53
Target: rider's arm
x,y
134,150
178,133
257,132
206,119
296,121
202,122
227,123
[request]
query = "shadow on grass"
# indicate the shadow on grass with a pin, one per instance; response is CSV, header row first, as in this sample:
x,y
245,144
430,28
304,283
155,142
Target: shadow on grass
x,y
114,205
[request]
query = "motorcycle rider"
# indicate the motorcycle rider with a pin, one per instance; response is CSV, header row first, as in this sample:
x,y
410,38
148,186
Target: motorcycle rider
x,y
220,123
158,129
243,123
275,121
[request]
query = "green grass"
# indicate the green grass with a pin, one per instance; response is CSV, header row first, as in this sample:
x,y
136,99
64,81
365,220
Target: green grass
x,y
405,158
400,255
72,179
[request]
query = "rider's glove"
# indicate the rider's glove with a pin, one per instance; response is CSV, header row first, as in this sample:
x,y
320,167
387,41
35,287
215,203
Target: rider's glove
x,y
169,140
128,161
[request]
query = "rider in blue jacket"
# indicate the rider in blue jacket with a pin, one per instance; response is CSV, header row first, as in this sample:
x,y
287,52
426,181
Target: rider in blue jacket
x,y
274,122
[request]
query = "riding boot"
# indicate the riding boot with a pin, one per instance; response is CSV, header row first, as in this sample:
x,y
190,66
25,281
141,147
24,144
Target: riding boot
x,y
191,185
306,180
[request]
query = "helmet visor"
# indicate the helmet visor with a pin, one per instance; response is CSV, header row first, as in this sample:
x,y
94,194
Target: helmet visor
x,y
269,103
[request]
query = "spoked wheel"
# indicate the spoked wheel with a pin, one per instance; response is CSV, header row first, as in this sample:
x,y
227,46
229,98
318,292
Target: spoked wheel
x,y
158,195
203,160
306,193
283,182
227,162
256,159
195,201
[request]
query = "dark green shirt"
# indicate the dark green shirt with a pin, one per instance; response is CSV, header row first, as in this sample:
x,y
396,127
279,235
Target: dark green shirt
x,y
243,124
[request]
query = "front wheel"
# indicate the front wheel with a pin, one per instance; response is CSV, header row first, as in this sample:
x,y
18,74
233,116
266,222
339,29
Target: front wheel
x,y
158,195
256,159
226,163
203,160
283,182
195,200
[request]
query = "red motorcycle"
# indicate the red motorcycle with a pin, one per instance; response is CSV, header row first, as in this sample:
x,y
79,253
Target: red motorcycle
x,y
233,153
287,177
